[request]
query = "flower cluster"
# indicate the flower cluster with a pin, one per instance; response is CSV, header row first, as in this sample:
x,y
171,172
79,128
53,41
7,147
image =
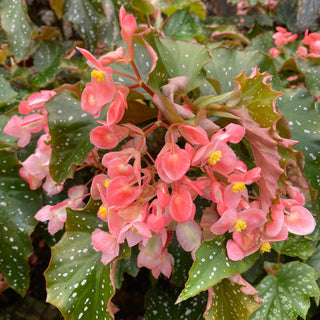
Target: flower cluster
x,y
283,37
145,195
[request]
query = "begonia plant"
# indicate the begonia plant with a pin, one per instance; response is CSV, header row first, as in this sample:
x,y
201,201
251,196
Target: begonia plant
x,y
173,156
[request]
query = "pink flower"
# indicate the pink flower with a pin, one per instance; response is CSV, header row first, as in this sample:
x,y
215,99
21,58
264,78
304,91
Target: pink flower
x,y
313,41
274,52
299,221
172,163
283,37
128,27
154,257
97,93
106,243
181,206
118,105
23,128
121,193
57,214
36,101
189,235
107,137
232,220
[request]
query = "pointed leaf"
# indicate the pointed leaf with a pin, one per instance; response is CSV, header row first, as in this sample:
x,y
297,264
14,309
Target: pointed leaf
x,y
87,15
18,205
286,295
227,64
230,303
47,62
182,25
297,105
178,59
77,282
294,246
161,305
17,25
211,266
70,129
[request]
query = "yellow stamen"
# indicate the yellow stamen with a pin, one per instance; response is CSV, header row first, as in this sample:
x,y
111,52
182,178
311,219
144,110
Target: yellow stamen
x,y
103,212
214,157
133,228
265,247
106,183
98,75
238,186
240,225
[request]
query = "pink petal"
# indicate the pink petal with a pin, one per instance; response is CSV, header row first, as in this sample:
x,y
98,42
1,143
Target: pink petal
x,y
189,235
106,243
181,206
300,221
120,192
225,223
235,253
195,135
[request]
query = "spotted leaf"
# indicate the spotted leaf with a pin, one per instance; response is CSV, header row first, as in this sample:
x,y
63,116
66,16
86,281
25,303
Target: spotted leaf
x,y
7,94
47,62
17,25
297,105
211,266
178,59
227,64
87,15
70,129
295,246
161,305
77,282
18,205
286,295
229,302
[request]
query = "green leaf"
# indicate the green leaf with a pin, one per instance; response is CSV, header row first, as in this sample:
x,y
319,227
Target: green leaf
x,y
314,261
287,14
47,62
17,25
128,265
227,64
182,25
161,305
144,6
308,12
230,303
169,8
7,94
87,15
211,266
70,130
182,263
18,205
178,59
286,295
78,283
295,246
5,140
312,73
263,42
298,108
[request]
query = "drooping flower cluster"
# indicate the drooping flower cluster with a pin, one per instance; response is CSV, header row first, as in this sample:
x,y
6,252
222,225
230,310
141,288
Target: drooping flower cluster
x,y
146,196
